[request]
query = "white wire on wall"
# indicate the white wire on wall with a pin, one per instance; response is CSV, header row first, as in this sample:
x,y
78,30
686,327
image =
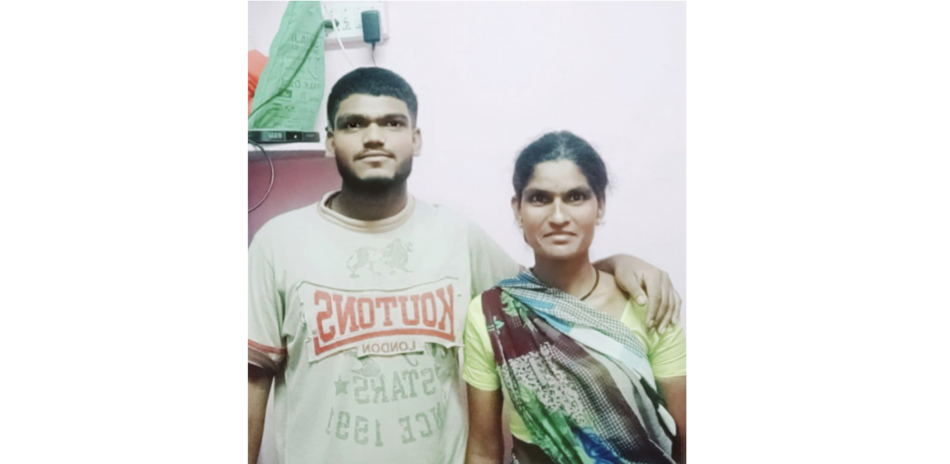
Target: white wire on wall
x,y
271,184
329,13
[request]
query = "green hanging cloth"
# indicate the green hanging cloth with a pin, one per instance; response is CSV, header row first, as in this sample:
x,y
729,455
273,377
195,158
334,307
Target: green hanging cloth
x,y
290,90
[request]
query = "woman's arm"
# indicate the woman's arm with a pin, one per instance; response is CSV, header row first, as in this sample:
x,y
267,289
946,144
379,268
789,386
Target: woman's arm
x,y
674,391
485,444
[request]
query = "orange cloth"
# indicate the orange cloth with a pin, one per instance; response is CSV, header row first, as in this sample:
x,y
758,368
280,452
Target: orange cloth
x,y
255,67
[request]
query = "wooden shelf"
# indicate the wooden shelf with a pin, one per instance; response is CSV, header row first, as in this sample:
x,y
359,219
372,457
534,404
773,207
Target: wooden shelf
x,y
257,155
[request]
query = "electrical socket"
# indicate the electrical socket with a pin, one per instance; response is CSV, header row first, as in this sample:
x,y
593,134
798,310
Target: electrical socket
x,y
350,22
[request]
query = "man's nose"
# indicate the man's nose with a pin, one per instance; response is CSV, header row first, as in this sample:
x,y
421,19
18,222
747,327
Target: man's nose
x,y
373,135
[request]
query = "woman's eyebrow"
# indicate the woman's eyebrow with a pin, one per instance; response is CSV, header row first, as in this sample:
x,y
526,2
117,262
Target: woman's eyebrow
x,y
535,191
583,190
539,191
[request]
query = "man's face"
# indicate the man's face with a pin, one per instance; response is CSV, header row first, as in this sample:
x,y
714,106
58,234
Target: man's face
x,y
374,141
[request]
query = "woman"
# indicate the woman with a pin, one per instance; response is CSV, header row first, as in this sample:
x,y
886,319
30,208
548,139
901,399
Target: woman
x,y
581,379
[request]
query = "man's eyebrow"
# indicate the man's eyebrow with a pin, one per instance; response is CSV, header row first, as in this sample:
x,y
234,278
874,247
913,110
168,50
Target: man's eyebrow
x,y
341,117
365,117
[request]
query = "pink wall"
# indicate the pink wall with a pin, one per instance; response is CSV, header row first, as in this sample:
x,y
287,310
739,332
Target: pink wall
x,y
300,178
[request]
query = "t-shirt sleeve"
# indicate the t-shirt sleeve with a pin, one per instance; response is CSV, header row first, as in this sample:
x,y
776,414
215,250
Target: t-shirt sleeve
x,y
668,353
265,347
479,369
490,263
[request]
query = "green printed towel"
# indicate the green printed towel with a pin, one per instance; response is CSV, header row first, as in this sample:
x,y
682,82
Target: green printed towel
x,y
290,90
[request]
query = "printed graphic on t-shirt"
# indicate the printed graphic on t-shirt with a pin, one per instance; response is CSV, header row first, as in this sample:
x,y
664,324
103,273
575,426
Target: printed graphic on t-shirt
x,y
378,322
404,402
393,257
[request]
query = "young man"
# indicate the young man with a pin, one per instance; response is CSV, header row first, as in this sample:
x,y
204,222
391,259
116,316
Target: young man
x,y
356,304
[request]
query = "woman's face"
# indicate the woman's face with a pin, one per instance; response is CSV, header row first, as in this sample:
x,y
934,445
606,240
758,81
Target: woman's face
x,y
558,210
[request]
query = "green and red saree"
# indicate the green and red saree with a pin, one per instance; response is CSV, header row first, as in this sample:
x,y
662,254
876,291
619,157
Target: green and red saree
x,y
579,379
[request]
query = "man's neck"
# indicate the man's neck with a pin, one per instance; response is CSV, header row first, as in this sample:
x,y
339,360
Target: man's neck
x,y
575,275
370,206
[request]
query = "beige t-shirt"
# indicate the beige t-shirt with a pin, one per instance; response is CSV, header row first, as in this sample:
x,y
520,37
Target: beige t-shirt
x,y
361,323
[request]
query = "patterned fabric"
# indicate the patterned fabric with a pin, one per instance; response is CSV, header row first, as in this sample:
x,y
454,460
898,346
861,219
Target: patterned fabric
x,y
579,378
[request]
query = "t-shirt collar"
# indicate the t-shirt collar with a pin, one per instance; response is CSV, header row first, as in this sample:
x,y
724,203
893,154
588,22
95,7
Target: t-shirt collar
x,y
381,225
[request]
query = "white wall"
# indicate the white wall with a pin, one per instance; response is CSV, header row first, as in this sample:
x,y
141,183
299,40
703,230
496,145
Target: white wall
x,y
491,77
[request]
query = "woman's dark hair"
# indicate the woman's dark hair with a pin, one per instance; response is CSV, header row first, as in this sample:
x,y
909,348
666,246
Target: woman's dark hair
x,y
561,145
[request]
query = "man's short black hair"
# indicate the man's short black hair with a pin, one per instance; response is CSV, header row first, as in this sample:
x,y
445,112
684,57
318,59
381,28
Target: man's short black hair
x,y
370,81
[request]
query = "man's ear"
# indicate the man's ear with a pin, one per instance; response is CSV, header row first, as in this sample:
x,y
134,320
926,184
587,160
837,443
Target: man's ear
x,y
328,145
416,142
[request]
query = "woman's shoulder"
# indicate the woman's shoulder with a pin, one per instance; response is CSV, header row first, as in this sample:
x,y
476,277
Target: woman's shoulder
x,y
609,297
475,305
476,302
474,316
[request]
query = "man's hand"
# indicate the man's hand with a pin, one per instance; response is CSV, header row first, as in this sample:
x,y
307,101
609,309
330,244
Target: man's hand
x,y
646,283
258,389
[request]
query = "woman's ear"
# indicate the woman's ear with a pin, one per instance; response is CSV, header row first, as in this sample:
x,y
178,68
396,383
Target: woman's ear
x,y
601,206
516,210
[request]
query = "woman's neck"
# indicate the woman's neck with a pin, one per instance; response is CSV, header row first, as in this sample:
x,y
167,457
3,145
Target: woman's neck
x,y
368,205
574,275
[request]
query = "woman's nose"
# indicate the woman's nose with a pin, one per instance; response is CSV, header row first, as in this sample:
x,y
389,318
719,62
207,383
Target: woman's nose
x,y
558,216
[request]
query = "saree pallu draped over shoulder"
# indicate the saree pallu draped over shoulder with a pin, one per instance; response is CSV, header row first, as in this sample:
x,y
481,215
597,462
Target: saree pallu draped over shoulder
x,y
580,380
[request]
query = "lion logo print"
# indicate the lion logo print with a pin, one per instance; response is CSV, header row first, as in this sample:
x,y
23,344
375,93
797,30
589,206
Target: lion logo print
x,y
368,368
393,257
